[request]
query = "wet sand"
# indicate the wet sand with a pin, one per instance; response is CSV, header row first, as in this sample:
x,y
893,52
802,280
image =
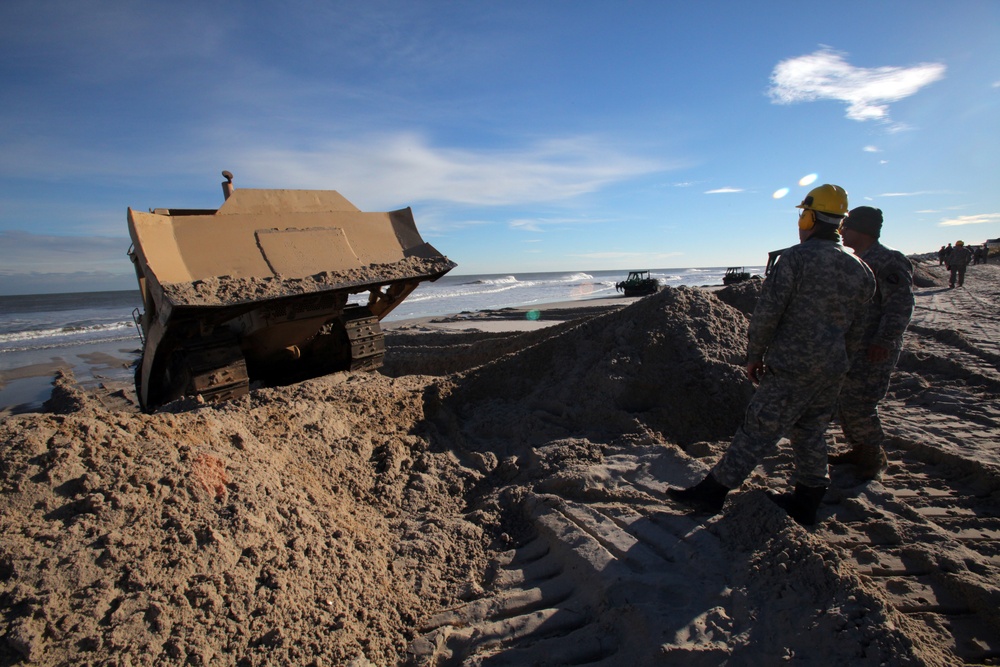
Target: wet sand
x,y
26,380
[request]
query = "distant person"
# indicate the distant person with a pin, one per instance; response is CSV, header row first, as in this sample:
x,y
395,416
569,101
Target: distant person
x,y
886,318
807,325
958,261
986,253
943,254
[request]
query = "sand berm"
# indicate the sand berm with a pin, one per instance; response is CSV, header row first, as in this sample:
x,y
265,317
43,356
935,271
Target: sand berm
x,y
498,498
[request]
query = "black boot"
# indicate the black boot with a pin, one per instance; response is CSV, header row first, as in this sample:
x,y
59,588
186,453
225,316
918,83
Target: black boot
x,y
852,456
706,496
869,460
802,504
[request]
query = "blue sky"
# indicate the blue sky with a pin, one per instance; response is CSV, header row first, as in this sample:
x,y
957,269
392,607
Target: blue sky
x,y
526,136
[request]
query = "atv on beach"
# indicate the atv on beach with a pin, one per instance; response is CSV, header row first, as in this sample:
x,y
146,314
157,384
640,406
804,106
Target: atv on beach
x,y
638,283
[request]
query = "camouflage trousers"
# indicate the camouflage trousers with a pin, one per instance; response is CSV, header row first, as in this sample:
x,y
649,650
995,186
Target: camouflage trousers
x,y
864,386
783,406
957,272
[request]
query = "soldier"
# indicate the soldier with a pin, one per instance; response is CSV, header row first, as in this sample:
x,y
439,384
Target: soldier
x,y
806,327
958,260
886,319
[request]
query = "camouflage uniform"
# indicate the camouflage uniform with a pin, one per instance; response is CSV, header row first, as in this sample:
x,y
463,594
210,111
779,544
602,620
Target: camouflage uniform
x,y
806,327
886,319
958,259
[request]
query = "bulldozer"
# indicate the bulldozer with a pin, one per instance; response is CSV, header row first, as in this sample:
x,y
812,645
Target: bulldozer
x,y
262,290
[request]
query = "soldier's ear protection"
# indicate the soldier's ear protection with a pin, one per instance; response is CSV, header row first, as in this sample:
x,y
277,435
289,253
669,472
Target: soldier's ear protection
x,y
807,219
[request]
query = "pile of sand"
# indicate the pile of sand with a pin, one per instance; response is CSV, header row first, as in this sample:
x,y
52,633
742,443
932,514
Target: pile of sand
x,y
511,510
227,290
309,521
670,365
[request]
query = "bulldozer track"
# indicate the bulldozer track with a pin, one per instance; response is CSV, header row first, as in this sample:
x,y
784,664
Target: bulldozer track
x,y
924,521
935,513
549,598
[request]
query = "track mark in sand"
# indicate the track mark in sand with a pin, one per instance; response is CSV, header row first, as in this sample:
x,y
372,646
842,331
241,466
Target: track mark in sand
x,y
594,577
929,536
929,533
958,325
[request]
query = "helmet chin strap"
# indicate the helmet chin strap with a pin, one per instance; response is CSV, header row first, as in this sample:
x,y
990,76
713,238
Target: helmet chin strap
x,y
828,219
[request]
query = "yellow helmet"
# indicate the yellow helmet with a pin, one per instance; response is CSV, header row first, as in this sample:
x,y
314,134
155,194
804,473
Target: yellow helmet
x,y
826,198
959,242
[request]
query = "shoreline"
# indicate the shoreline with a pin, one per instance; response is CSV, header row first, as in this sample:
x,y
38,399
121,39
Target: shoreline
x,y
529,317
27,383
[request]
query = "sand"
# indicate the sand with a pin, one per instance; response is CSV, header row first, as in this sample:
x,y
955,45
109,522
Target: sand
x,y
230,291
498,497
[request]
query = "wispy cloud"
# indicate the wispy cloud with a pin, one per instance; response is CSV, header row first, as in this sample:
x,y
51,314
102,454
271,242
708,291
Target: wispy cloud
x,y
826,75
525,225
411,169
540,224
872,149
917,193
961,220
644,257
24,251
36,263
723,191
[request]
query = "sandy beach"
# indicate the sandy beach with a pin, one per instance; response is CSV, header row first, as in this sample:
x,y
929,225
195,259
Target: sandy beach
x,y
496,496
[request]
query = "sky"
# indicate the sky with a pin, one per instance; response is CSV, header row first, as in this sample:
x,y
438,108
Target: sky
x,y
548,135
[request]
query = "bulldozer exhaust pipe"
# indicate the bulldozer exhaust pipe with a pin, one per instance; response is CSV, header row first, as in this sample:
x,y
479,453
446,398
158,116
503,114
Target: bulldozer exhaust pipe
x,y
227,185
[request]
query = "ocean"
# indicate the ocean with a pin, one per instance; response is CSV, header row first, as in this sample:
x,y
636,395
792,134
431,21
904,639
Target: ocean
x,y
95,332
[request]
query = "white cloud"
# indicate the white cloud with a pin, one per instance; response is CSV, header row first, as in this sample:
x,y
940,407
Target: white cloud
x,y
637,257
912,194
723,191
826,75
872,149
525,225
39,264
407,168
21,252
981,219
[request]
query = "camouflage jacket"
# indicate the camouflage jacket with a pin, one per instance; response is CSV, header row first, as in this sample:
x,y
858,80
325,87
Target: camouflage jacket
x,y
890,311
810,315
959,256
